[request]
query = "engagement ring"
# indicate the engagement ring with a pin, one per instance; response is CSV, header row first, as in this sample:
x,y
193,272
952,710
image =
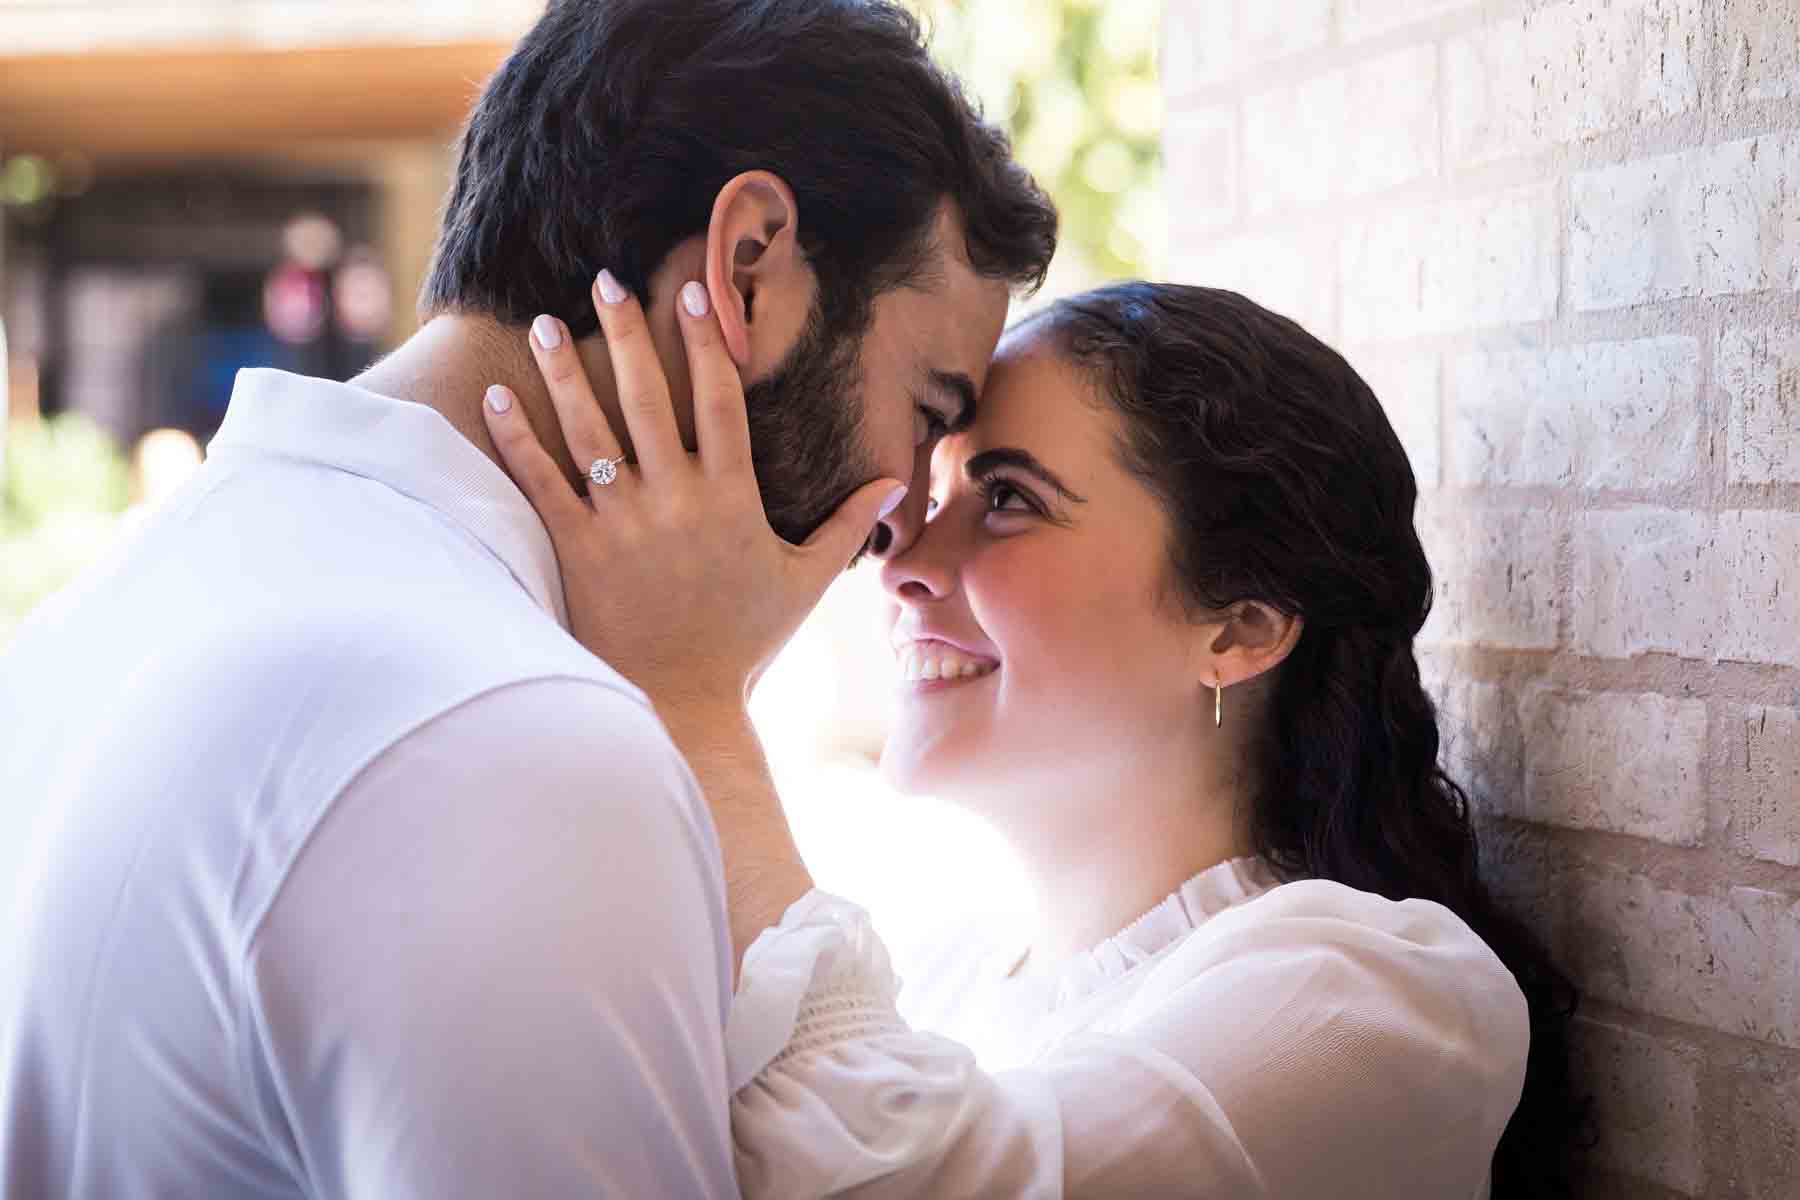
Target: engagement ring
x,y
604,470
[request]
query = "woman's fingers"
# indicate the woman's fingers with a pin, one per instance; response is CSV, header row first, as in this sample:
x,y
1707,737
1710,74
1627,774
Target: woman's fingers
x,y
528,462
720,423
638,374
584,426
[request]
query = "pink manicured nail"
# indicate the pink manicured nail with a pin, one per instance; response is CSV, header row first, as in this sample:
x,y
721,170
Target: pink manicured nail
x,y
611,290
548,332
499,399
895,499
693,298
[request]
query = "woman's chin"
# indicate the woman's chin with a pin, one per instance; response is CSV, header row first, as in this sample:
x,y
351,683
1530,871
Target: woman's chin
x,y
915,769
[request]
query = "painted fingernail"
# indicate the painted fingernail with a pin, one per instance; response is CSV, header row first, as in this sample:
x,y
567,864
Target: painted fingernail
x,y
693,298
548,332
611,290
894,500
499,399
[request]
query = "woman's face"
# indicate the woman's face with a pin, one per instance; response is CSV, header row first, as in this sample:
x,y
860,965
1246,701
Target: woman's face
x,y
1032,622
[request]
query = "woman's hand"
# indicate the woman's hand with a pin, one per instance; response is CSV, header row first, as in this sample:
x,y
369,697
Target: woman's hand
x,y
671,572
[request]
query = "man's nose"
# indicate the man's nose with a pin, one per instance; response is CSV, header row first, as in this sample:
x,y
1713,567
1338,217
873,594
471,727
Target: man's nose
x,y
900,528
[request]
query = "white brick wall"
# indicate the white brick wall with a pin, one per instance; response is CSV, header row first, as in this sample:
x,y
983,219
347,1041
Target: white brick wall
x,y
1759,50
1290,272
1648,1102
1409,387
1298,152
1570,71
1601,415
1717,221
1761,772
1645,581
1213,40
1203,178
1495,578
1761,561
1561,239
1724,960
1626,763
1463,265
1484,746
1759,372
1362,18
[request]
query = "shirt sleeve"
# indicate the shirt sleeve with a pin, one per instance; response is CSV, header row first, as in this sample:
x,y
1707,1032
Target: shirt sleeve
x,y
1315,1042
500,966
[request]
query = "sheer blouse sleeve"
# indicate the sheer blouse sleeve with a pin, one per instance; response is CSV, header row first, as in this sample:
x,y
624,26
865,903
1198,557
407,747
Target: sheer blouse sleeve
x,y
1314,1041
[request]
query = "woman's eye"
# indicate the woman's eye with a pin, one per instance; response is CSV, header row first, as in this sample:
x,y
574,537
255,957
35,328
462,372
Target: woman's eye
x,y
1004,497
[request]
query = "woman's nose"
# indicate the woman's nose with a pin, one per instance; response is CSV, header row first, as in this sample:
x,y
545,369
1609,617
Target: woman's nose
x,y
925,568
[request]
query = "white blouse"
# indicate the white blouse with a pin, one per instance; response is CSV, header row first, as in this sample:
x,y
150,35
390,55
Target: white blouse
x,y
1242,1039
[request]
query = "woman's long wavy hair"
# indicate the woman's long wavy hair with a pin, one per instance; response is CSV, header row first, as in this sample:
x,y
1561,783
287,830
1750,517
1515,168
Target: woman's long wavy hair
x,y
1286,484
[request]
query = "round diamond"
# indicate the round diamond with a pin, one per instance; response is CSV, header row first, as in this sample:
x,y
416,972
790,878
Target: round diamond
x,y
603,472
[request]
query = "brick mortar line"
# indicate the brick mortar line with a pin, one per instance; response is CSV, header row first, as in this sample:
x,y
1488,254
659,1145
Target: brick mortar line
x,y
1726,1051
1664,675
1694,497
1451,183
1708,870
1700,317
1289,70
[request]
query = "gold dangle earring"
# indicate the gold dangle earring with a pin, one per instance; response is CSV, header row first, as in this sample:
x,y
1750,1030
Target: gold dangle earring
x,y
1218,704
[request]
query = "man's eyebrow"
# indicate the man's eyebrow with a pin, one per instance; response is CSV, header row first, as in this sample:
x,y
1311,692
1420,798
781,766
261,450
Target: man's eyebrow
x,y
982,464
960,388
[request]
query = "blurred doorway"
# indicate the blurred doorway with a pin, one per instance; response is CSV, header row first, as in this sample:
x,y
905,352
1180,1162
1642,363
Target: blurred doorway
x,y
149,289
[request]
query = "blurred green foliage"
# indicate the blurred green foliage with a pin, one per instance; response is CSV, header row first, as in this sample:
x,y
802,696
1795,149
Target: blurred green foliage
x,y
64,487
1075,81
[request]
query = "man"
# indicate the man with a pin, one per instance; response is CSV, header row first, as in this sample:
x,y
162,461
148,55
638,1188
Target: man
x,y
353,874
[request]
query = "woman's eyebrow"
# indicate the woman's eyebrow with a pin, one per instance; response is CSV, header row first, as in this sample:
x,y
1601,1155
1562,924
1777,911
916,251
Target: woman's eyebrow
x,y
1021,460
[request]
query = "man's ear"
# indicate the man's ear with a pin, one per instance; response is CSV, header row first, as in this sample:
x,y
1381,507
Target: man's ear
x,y
758,276
1254,638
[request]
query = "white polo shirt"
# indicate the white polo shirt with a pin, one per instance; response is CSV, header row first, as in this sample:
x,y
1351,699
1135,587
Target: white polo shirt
x,y
338,868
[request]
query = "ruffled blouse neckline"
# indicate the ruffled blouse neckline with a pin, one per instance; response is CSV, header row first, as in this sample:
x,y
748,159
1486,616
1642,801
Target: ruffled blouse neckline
x,y
1209,893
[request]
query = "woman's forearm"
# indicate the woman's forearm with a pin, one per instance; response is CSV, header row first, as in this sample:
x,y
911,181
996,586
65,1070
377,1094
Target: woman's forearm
x,y
764,873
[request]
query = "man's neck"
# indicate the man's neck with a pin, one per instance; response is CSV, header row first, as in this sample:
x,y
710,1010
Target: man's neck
x,y
449,364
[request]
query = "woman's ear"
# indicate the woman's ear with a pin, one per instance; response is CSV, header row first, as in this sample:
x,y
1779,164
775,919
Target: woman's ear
x,y
760,282
1254,638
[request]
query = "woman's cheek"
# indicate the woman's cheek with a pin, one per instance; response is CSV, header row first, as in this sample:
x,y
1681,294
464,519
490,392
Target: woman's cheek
x,y
1039,618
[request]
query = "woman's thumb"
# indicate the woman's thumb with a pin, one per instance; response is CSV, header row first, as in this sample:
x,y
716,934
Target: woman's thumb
x,y
835,543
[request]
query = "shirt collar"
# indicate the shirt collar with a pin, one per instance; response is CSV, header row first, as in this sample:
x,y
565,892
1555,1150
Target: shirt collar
x,y
1209,893
406,446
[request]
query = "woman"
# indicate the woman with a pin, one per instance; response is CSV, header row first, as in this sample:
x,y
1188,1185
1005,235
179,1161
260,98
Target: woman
x,y
1158,629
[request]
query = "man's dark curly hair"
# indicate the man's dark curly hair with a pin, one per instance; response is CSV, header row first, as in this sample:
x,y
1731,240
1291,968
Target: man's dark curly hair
x,y
606,136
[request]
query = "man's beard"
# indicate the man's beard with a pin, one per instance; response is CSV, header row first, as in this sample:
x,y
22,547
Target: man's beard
x,y
806,427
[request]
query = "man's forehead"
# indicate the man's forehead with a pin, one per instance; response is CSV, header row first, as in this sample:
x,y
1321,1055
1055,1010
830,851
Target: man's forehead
x,y
959,326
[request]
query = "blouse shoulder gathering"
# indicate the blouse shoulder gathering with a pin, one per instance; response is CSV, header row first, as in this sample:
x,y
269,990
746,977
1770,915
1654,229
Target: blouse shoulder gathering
x,y
1209,893
1245,1038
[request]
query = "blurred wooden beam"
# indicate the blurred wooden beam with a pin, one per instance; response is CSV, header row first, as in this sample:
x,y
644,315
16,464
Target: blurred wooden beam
x,y
196,103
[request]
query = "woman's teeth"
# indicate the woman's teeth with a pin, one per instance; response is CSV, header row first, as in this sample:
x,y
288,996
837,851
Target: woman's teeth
x,y
920,665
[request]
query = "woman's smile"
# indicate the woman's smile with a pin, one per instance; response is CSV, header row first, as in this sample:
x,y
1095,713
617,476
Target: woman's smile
x,y
932,661
924,663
